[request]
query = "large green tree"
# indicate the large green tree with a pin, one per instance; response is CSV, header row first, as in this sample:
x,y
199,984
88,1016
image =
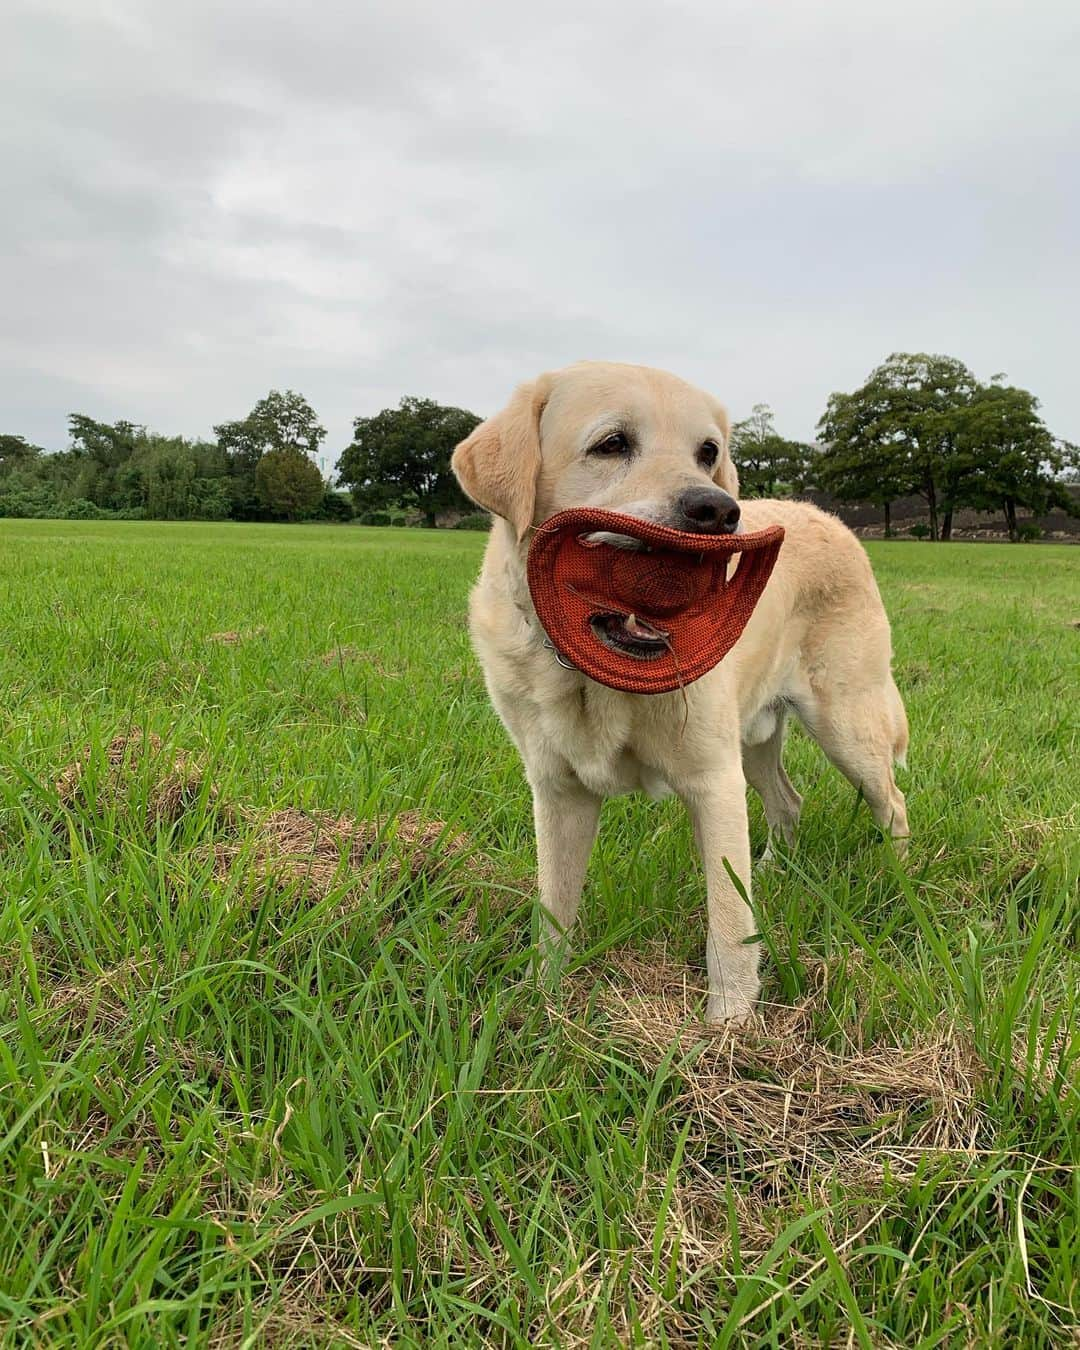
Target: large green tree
x,y
923,424
289,486
769,465
16,452
24,488
401,456
861,461
280,421
1011,458
99,453
907,417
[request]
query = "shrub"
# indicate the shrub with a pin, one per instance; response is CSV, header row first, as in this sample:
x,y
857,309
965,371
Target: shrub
x,y
26,504
920,530
336,506
1028,532
373,518
478,520
23,495
81,509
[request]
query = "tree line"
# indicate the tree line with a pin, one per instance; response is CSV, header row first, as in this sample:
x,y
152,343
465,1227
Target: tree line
x,y
919,425
257,468
396,470
924,426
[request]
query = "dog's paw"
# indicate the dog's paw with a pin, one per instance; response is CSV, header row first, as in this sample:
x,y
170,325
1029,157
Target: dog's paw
x,y
769,859
730,1011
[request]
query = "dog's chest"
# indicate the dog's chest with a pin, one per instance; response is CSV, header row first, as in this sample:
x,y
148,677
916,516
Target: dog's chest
x,y
612,742
597,736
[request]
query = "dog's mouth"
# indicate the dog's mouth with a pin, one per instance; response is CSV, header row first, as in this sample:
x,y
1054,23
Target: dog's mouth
x,y
630,635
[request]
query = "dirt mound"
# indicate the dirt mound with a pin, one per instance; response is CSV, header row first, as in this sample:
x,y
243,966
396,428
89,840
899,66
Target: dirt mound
x,y
315,850
174,781
318,851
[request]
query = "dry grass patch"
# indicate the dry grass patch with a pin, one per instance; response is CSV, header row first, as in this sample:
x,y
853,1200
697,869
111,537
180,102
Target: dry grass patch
x,y
348,653
1027,838
231,637
292,1323
788,1102
317,851
99,997
174,780
338,656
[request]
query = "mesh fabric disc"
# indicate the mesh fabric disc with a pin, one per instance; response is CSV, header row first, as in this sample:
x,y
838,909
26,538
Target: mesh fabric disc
x,y
681,587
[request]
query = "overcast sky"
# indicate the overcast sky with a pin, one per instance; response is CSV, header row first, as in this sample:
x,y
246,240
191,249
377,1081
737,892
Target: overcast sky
x,y
202,202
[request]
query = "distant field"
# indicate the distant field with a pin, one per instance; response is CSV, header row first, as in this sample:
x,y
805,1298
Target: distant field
x,y
272,1077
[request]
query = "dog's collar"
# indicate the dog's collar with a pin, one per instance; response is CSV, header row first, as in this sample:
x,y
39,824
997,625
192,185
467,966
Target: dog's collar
x,y
533,622
560,660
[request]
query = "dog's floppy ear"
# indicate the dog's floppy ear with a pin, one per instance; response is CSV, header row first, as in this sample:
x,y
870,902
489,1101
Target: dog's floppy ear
x,y
498,464
725,474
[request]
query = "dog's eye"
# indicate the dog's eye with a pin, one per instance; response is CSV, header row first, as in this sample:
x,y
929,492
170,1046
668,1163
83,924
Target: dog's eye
x,y
708,454
615,443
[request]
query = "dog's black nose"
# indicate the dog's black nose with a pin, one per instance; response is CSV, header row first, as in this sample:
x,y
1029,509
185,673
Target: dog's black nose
x,y
708,511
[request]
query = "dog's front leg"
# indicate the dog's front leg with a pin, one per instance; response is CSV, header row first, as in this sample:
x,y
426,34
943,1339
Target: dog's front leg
x,y
717,807
566,816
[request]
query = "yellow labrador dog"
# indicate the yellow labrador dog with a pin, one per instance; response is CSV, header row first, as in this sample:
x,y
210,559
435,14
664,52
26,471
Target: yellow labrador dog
x,y
642,442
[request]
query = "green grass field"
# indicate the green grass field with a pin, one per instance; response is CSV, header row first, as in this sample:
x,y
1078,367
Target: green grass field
x,y
273,1069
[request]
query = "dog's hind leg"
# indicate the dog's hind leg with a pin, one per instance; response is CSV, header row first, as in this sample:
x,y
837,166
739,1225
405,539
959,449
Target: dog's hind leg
x,y
763,767
864,734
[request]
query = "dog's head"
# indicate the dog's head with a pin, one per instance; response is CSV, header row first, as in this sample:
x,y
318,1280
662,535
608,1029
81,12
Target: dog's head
x,y
625,438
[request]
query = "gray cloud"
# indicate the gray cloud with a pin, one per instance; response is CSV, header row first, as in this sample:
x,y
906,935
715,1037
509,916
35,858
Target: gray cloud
x,y
203,202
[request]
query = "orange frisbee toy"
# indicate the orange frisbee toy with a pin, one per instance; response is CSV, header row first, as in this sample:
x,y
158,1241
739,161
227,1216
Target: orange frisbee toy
x,y
651,618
